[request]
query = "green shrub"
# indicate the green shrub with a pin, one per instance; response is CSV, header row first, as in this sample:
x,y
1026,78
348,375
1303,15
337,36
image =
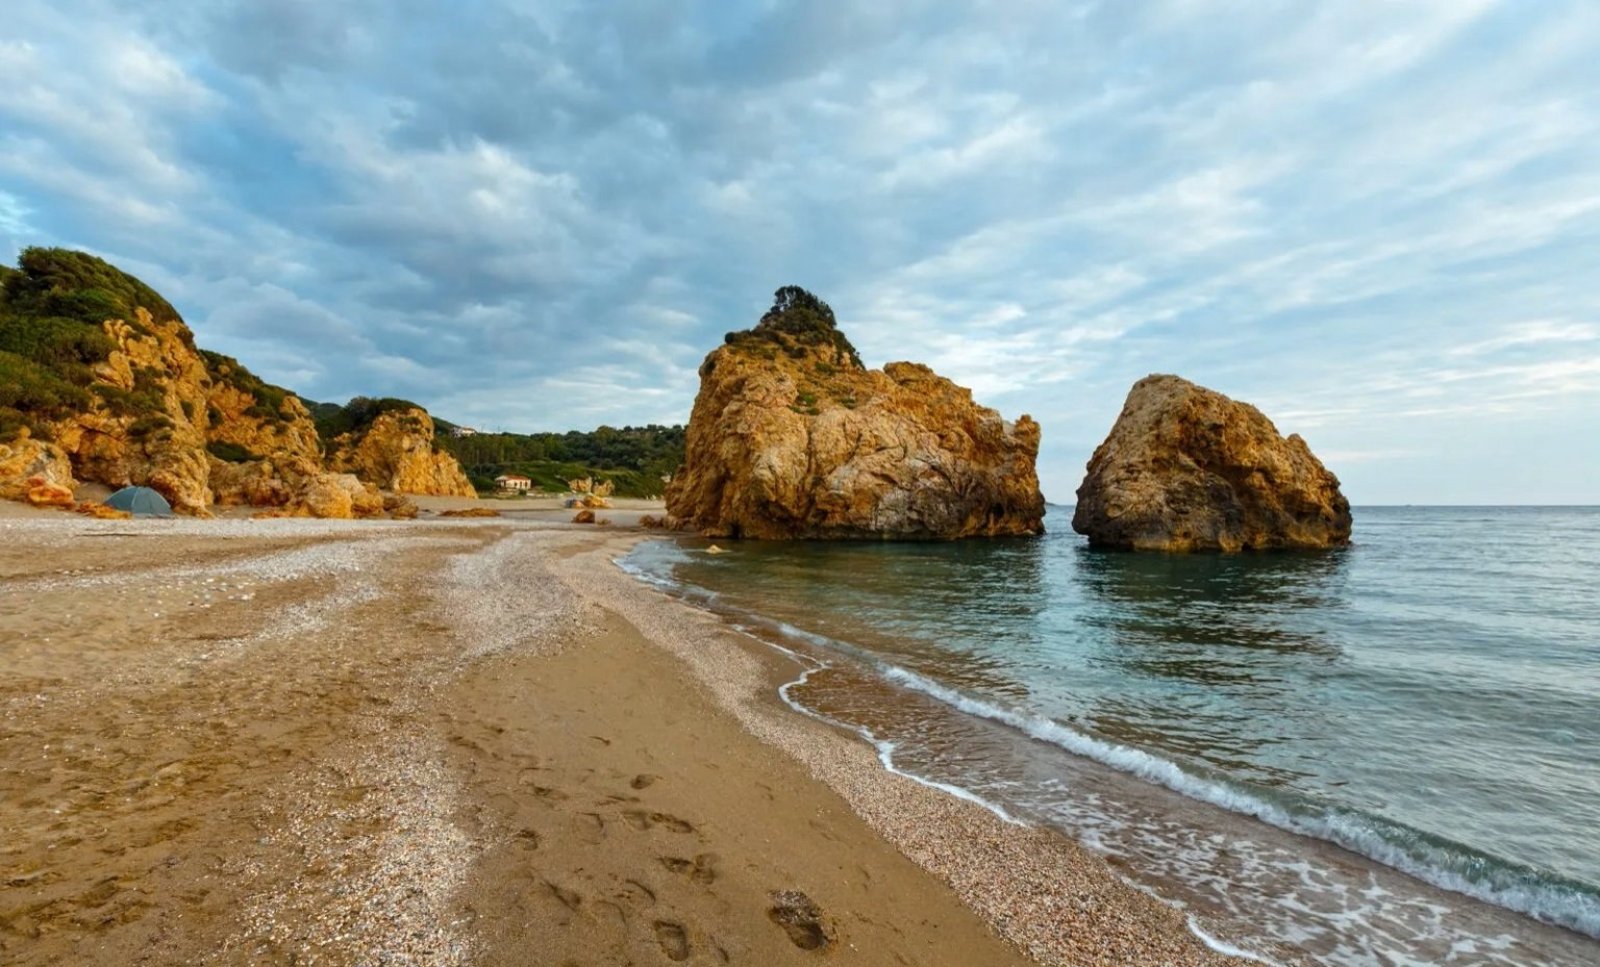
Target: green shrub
x,y
148,425
54,341
230,452
82,288
33,395
797,322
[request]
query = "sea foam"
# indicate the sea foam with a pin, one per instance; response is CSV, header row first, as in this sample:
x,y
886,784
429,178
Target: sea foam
x,y
1429,859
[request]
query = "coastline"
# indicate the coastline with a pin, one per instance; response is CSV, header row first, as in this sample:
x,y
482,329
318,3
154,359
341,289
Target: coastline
x,y
1208,846
477,742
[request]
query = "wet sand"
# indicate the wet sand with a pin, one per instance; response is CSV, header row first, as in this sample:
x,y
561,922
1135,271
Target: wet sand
x,y
441,742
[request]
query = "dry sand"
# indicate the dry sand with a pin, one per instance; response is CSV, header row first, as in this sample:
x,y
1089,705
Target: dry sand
x,y
441,742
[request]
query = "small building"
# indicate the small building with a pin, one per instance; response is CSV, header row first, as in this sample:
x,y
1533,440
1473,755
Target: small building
x,y
463,431
513,481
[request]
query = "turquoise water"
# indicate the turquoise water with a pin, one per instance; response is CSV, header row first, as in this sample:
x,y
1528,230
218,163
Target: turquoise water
x,y
1330,750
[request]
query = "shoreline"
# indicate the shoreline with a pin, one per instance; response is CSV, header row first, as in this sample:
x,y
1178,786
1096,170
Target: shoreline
x,y
1124,784
461,742
1033,885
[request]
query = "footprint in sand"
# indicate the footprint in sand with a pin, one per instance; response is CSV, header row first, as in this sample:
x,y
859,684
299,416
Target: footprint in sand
x,y
702,869
549,794
674,940
801,919
590,827
571,899
641,820
637,893
528,839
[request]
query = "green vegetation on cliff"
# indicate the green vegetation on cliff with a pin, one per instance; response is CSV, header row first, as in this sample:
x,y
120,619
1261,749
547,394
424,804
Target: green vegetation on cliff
x,y
269,398
634,458
797,323
51,312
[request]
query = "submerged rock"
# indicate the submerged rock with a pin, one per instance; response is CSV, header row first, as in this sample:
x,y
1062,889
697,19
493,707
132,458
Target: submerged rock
x,y
1188,469
791,437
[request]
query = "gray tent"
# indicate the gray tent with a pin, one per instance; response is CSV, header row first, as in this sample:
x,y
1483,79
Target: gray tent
x,y
140,502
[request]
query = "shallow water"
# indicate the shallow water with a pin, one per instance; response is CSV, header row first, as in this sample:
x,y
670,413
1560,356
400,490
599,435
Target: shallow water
x,y
1423,701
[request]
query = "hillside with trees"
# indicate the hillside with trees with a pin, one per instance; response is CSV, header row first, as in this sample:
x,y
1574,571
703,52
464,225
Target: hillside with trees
x,y
636,459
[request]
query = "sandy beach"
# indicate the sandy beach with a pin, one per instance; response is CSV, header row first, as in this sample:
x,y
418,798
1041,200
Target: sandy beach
x,y
467,742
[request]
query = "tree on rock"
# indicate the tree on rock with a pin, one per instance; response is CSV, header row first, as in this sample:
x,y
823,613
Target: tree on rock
x,y
798,320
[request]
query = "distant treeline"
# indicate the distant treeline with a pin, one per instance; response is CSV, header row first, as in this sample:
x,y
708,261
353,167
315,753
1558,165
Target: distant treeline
x,y
636,459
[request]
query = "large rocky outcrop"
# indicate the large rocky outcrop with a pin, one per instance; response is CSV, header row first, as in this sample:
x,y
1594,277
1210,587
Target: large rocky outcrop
x,y
396,452
1188,469
791,437
97,367
146,419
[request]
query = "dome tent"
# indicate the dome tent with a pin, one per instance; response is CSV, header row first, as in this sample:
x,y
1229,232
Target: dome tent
x,y
140,502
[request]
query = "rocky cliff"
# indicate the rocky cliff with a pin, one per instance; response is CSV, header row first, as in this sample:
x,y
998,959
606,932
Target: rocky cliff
x,y
97,368
1188,469
791,437
396,452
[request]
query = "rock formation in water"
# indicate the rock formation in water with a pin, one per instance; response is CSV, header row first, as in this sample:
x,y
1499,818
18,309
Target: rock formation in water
x,y
791,437
100,371
396,452
1188,469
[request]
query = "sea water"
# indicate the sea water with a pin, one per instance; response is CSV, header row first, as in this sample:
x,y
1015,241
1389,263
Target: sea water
x,y
1388,753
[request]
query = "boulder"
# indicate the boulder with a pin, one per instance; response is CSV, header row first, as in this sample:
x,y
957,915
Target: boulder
x,y
102,512
1188,469
399,507
255,483
43,493
340,496
791,437
29,466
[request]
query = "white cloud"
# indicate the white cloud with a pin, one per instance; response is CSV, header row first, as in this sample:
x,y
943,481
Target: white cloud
x,y
1375,221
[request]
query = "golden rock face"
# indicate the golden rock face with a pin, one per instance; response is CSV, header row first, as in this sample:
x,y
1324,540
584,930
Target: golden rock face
x,y
794,439
396,453
150,426
1188,469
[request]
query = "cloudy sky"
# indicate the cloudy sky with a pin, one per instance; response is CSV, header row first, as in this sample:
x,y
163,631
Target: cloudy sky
x,y
1378,221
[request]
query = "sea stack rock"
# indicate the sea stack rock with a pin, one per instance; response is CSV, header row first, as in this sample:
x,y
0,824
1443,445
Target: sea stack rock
x,y
1188,469
791,437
